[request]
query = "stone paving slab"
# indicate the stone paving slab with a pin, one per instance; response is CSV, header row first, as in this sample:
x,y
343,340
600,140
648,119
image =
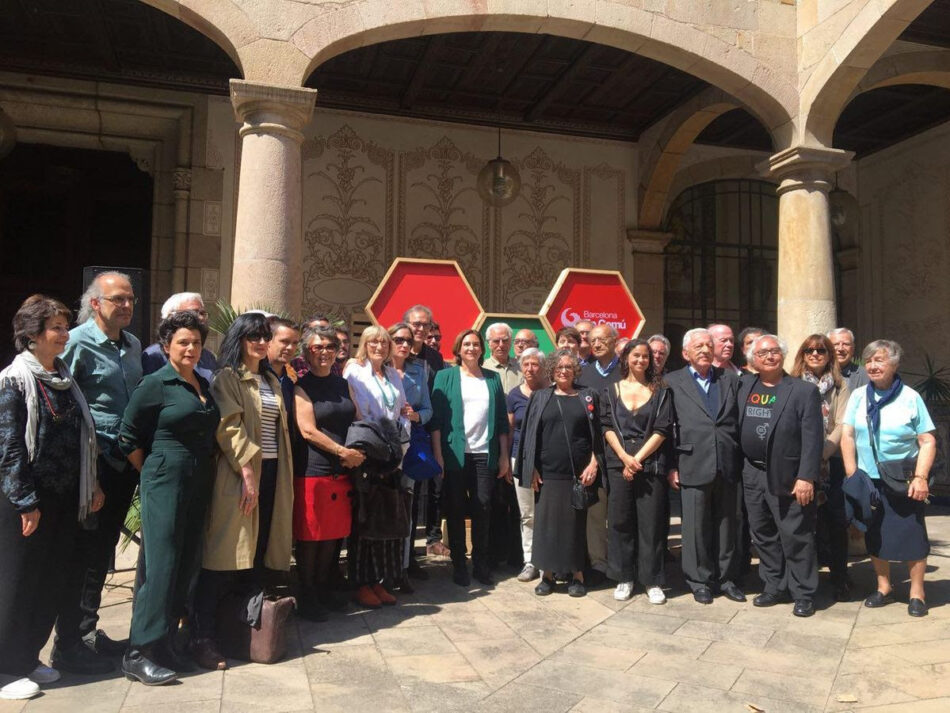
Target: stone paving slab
x,y
491,650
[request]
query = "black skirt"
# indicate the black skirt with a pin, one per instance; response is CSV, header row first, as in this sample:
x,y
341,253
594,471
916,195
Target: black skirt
x,y
899,534
560,531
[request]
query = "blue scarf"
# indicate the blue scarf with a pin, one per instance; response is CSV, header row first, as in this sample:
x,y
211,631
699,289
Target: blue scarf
x,y
875,406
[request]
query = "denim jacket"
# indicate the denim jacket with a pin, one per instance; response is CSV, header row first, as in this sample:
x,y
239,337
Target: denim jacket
x,y
415,382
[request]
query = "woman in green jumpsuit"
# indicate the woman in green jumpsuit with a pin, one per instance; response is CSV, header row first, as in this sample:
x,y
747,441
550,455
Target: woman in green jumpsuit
x,y
168,435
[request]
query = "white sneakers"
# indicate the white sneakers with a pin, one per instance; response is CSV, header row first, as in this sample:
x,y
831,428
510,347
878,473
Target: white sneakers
x,y
656,595
623,591
45,674
19,690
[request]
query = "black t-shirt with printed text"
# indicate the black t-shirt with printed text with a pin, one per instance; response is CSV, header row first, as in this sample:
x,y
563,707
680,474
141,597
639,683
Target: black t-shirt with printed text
x,y
757,421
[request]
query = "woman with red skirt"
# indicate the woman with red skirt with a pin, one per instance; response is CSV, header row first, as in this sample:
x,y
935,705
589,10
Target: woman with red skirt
x,y
323,491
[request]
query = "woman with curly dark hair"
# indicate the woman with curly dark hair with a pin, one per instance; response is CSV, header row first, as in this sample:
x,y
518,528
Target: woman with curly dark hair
x,y
167,433
637,420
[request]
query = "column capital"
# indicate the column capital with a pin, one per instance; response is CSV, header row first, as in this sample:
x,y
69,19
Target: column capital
x,y
807,167
268,109
650,242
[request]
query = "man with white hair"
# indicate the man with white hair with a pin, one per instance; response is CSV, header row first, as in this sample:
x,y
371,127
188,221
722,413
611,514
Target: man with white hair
x,y
724,346
782,436
498,336
707,463
660,351
154,357
842,341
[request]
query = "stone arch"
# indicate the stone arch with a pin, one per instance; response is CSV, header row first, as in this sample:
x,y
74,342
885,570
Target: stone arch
x,y
714,169
768,91
931,68
829,87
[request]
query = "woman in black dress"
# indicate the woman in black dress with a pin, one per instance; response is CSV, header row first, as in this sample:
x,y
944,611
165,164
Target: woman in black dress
x,y
637,420
322,492
560,442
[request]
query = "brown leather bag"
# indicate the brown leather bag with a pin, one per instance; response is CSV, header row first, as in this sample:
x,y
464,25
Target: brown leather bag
x,y
266,643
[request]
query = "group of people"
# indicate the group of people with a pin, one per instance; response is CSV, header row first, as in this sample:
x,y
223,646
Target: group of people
x,y
284,447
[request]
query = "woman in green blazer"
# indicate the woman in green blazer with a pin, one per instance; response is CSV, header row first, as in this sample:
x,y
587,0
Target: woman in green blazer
x,y
470,441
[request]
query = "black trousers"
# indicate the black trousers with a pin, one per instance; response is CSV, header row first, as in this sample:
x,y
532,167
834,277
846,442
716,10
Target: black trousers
x,y
32,577
504,531
469,492
95,549
784,535
709,533
636,537
832,526
433,491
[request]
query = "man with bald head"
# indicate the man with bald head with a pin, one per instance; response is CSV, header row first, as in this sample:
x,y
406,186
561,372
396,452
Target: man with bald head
x,y
707,466
106,362
724,346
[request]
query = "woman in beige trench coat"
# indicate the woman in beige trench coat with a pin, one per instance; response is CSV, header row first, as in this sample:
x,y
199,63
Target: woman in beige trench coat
x,y
250,520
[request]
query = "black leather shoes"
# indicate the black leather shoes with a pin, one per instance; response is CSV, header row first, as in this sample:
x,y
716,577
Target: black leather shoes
x,y
138,667
731,591
767,599
460,576
576,589
878,599
703,595
545,587
80,659
803,607
917,607
484,576
103,645
168,656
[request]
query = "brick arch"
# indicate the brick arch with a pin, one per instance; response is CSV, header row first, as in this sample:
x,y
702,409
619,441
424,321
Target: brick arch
x,y
830,85
762,88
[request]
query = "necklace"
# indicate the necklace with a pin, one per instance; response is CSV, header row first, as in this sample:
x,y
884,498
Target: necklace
x,y
57,417
386,390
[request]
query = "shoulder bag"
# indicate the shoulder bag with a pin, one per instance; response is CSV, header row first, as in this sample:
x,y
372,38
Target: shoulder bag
x,y
582,496
896,474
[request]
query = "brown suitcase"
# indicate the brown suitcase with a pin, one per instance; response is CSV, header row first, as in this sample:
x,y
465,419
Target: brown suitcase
x,y
266,643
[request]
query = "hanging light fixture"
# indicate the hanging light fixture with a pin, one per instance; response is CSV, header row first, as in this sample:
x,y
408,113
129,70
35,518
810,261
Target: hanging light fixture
x,y
499,182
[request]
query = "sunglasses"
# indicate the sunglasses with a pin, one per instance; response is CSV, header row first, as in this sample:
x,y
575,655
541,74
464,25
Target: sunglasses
x,y
821,351
259,337
401,341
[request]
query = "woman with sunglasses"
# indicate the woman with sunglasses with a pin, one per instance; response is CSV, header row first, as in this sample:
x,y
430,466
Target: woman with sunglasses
x,y
250,519
815,363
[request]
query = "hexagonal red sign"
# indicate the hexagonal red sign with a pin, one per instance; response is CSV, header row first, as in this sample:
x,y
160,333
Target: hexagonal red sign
x,y
601,296
438,284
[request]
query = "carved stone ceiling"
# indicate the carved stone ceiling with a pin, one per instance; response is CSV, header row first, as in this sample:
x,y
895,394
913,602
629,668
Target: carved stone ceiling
x,y
528,81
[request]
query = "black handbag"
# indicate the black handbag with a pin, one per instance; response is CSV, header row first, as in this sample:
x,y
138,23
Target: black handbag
x,y
896,474
384,513
582,496
652,464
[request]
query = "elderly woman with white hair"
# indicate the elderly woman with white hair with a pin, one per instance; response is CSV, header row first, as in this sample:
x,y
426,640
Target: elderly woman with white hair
x,y
154,356
535,378
889,435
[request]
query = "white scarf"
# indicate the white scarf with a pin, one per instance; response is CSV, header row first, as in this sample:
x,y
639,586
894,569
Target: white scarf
x,y
25,370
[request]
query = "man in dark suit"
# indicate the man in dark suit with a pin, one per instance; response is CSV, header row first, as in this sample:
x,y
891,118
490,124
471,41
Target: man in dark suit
x,y
782,436
707,464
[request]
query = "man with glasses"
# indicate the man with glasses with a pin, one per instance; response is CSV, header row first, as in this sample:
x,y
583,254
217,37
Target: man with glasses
x,y
706,467
498,336
842,341
782,437
106,362
434,340
154,357
419,318
524,339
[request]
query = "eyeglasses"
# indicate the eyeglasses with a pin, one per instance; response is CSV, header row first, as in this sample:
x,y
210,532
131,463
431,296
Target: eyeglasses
x,y
258,337
499,340
821,351
419,325
316,348
120,301
402,341
763,353
525,343
434,338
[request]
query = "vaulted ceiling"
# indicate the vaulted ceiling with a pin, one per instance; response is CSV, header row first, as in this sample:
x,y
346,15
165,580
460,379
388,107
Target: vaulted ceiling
x,y
528,81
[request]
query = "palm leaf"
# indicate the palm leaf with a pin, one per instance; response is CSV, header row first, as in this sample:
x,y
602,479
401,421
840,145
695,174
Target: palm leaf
x,y
934,383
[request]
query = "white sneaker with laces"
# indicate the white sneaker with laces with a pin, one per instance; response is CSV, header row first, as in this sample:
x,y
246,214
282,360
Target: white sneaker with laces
x,y
623,591
19,690
656,595
45,674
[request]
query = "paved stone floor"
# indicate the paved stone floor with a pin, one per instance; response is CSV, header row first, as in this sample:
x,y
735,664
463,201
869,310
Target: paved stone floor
x,y
446,649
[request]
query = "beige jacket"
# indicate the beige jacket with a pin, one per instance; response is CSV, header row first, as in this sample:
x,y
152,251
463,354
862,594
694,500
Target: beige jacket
x,y
837,400
231,537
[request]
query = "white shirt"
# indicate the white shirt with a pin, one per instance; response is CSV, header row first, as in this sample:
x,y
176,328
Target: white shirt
x,y
377,398
475,413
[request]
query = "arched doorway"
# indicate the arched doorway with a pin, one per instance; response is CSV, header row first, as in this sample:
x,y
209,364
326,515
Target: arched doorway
x,y
722,263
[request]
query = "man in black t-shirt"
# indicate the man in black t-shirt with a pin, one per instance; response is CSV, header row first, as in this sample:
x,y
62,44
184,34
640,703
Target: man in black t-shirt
x,y
782,436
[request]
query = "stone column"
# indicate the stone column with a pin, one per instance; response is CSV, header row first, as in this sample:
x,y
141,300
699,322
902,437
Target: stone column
x,y
267,240
648,275
180,257
806,282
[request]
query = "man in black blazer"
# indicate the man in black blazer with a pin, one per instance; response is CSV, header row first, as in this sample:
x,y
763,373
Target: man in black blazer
x,y
707,464
782,436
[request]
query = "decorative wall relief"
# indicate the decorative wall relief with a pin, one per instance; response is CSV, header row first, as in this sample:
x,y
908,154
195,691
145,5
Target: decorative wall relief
x,y
348,204
539,233
604,217
440,213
